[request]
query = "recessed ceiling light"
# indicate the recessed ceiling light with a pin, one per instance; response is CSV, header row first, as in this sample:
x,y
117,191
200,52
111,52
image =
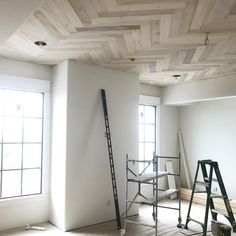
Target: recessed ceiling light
x,y
176,76
40,43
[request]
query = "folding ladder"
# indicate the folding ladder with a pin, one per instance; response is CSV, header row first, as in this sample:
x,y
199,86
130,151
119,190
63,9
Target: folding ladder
x,y
111,161
207,184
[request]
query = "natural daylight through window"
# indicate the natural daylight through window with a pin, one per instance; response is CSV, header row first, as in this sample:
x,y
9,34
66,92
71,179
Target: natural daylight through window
x,y
147,133
21,143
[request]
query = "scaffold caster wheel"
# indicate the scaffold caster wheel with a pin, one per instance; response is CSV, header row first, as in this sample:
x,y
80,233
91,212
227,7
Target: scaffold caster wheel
x,y
179,226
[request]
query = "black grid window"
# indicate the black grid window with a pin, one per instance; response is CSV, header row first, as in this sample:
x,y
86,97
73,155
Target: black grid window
x,y
147,133
21,132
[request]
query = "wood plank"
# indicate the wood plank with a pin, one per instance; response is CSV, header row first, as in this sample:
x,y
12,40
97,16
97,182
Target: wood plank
x,y
129,43
201,12
200,198
80,11
165,24
164,36
54,17
108,28
143,7
146,35
171,178
89,8
123,20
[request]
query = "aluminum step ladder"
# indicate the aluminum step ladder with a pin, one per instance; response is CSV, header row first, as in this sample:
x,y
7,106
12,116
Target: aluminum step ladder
x,y
111,161
207,184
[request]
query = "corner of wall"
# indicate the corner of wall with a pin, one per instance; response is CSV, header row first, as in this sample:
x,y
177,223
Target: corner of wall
x,y
149,90
59,144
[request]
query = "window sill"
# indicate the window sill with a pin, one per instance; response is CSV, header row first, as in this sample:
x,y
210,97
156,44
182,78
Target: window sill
x,y
23,200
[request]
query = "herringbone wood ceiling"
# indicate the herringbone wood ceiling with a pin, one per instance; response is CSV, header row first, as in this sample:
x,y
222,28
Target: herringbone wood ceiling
x,y
154,38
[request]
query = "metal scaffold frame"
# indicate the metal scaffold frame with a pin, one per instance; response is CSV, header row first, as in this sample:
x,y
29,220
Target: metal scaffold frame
x,y
158,193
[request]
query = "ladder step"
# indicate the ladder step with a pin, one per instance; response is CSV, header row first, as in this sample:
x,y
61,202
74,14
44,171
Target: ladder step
x,y
196,221
220,212
213,179
207,161
216,196
202,183
198,191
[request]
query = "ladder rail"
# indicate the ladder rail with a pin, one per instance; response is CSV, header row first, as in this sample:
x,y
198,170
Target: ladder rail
x,y
179,225
208,179
209,202
191,198
230,216
111,160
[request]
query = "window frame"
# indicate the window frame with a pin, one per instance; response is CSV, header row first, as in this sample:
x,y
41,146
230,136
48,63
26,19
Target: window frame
x,y
144,130
155,102
21,169
41,86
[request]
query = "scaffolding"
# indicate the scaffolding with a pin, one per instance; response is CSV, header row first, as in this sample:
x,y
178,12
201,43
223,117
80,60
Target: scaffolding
x,y
150,178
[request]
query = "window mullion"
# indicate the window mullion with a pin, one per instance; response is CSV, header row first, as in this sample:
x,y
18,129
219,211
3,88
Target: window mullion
x,y
149,122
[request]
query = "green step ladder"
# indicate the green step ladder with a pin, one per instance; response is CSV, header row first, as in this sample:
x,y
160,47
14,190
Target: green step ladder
x,y
207,183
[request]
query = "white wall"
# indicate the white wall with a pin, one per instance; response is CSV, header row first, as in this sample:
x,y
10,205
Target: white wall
x,y
88,181
169,118
59,144
82,189
150,90
200,90
18,212
25,69
209,131
169,124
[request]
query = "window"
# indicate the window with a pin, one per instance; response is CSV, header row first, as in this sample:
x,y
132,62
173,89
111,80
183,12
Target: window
x,y
147,133
21,143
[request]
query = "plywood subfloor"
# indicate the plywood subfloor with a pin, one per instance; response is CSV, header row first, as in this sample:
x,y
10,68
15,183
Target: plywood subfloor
x,y
166,225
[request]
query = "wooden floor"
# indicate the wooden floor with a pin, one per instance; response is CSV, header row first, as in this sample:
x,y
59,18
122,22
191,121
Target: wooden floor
x,y
166,225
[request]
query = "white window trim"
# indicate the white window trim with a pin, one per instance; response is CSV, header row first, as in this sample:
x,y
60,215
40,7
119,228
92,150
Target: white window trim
x,y
33,85
28,84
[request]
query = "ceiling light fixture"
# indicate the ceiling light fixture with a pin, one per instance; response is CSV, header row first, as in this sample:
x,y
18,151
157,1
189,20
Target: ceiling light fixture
x,y
40,43
176,76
